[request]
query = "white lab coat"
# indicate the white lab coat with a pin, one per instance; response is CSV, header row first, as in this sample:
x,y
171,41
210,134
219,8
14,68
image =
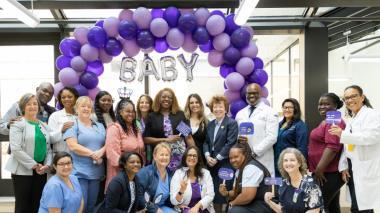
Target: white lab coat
x,y
265,128
363,131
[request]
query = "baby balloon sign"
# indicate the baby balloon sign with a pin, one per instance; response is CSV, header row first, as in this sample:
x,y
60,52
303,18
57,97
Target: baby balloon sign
x,y
333,117
225,174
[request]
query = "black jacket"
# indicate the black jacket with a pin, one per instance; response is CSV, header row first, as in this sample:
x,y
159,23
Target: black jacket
x,y
154,125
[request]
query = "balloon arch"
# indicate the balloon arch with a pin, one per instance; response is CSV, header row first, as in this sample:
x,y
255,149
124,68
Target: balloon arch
x,y
228,45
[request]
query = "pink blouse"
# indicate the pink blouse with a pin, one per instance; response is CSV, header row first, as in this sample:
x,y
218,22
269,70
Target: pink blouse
x,y
117,142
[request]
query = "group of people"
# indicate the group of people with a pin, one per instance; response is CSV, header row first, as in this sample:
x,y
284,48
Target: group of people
x,y
90,157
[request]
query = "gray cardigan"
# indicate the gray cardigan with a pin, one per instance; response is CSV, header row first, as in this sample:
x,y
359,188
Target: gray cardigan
x,y
21,139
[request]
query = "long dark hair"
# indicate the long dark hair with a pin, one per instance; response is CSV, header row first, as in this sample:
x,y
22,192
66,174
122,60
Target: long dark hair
x,y
122,103
98,109
150,100
296,112
360,90
56,158
246,150
198,168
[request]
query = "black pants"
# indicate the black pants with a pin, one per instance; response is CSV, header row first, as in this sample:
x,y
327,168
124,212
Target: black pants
x,y
351,186
258,206
331,191
28,191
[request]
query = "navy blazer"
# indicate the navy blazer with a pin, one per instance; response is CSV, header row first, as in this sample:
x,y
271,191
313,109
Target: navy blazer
x,y
225,138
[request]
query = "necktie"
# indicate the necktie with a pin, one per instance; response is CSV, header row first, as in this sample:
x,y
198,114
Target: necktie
x,y
251,110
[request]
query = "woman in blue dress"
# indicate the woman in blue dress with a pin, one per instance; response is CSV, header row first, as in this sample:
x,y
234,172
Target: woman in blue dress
x,y
62,193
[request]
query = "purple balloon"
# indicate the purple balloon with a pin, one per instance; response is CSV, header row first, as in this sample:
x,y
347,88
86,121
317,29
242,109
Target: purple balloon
x,y
226,69
235,81
126,14
215,58
113,47
161,45
145,39
186,11
99,23
104,57
236,106
62,61
173,48
231,95
57,88
157,13
245,66
95,67
259,76
89,80
68,77
231,55
70,47
78,64
231,26
240,38
175,38
201,36
250,51
264,92
202,15
159,27
93,92
111,26
221,41
80,34
142,17
187,23
189,45
131,48
171,15
243,91
259,64
89,53
250,30
149,50
206,47
217,12
215,25
82,91
128,29
224,85
97,37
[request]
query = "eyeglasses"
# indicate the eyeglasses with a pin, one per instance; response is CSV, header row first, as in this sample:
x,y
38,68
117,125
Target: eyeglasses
x,y
253,93
347,98
192,155
65,164
287,107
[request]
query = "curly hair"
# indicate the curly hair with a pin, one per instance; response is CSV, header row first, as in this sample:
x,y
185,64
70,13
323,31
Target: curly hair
x,y
300,158
219,99
98,110
246,150
120,106
157,101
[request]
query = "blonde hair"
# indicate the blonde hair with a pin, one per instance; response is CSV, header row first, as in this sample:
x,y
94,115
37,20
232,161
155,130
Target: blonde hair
x,y
24,101
161,146
81,100
300,158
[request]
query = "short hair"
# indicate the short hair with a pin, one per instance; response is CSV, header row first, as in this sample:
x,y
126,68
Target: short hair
x,y
71,90
125,156
24,100
150,100
161,146
297,108
334,98
81,100
157,101
300,158
217,99
58,156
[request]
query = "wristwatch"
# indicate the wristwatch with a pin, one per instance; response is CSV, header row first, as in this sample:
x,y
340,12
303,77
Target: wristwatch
x,y
180,193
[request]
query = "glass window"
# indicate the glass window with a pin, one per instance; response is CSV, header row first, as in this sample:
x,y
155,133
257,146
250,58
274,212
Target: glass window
x,y
295,72
280,80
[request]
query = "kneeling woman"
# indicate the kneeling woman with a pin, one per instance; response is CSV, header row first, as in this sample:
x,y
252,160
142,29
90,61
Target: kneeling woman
x,y
298,193
62,193
249,189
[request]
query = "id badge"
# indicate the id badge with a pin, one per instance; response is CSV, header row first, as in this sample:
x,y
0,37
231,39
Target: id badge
x,y
295,195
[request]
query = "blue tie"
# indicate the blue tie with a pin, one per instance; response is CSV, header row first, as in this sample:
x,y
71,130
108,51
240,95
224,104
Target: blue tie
x,y
251,110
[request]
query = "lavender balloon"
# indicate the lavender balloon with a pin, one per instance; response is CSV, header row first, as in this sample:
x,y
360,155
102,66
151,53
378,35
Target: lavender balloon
x,y
89,80
95,67
57,88
78,64
82,91
231,55
62,61
157,13
259,64
171,15
69,47
128,29
235,81
240,38
189,45
187,23
243,91
113,47
93,92
231,26
126,14
221,41
231,95
145,39
68,77
131,48
89,53
104,57
215,58
264,92
97,37
215,25
80,34
175,38
161,45
159,27
226,69
202,15
111,26
250,51
201,35
142,17
245,66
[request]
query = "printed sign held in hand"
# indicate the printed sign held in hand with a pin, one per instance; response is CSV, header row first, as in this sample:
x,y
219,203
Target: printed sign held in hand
x,y
333,117
274,181
226,174
183,129
246,128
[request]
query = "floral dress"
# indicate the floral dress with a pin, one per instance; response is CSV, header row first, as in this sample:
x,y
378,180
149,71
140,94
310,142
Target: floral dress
x,y
178,147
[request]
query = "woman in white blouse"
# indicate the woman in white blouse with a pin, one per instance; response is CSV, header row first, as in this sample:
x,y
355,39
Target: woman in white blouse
x,y
196,190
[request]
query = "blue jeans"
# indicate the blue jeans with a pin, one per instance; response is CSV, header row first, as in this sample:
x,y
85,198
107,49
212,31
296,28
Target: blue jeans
x,y
90,190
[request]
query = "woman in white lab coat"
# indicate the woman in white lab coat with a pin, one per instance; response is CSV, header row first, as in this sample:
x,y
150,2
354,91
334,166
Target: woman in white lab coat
x,y
361,140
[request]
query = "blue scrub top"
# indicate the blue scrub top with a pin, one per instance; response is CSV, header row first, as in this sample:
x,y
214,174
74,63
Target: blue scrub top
x,y
57,194
163,188
92,138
